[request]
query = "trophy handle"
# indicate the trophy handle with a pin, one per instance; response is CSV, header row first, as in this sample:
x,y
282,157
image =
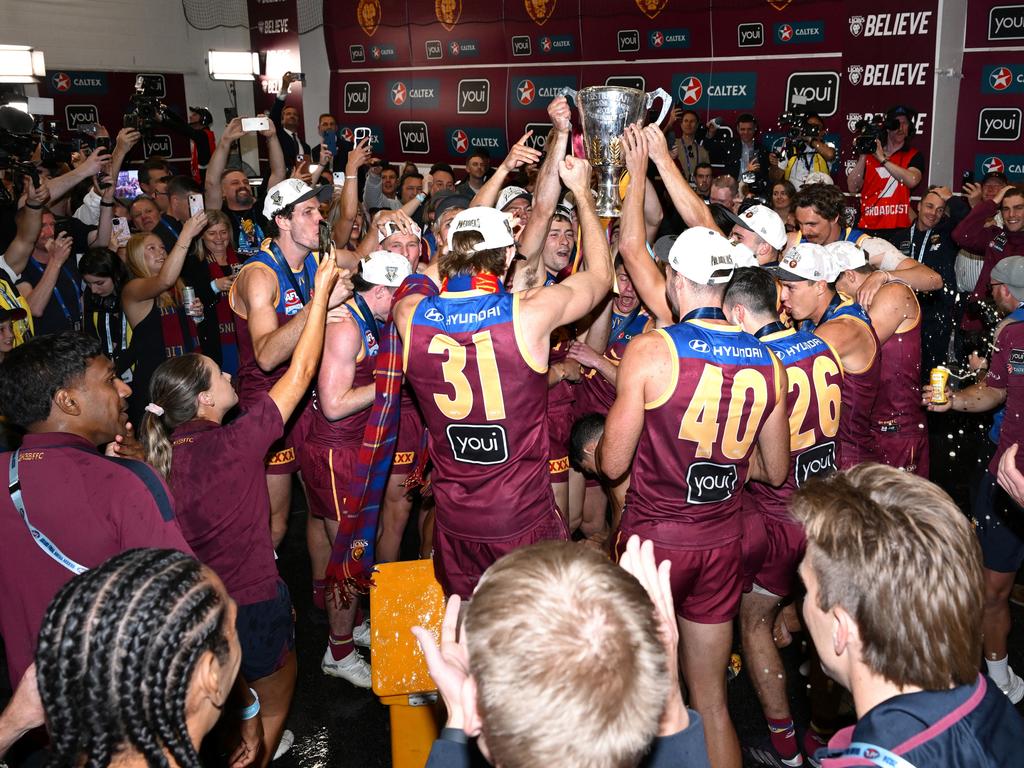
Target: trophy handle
x,y
570,93
666,102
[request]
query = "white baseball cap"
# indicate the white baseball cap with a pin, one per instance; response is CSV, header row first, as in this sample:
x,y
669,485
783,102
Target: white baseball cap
x,y
818,177
384,268
703,256
847,255
508,194
763,222
806,261
290,191
390,228
494,226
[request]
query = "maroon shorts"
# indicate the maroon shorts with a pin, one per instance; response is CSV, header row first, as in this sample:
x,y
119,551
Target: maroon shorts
x,y
459,563
904,451
755,540
706,583
559,429
409,442
283,456
786,543
326,474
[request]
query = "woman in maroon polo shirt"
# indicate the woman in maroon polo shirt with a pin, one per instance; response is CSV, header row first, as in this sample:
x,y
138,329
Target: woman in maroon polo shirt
x,y
216,474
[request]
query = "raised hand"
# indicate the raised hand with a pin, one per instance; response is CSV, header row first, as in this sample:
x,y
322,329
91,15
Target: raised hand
x,y
519,154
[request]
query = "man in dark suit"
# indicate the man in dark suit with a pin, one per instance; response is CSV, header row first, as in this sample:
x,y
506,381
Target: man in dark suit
x,y
287,121
740,153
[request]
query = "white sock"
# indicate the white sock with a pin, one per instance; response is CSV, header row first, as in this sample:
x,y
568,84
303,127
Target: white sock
x,y
999,670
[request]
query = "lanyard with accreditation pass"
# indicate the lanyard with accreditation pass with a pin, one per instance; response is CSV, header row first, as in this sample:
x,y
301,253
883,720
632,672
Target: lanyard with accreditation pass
x,y
40,538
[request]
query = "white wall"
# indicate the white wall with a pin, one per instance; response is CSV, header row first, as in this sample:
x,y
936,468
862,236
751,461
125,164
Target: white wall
x,y
128,35
316,93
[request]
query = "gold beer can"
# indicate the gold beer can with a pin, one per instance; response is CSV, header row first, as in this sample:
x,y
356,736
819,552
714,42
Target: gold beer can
x,y
939,380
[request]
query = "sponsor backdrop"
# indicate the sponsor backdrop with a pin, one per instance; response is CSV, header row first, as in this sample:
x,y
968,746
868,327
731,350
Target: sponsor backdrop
x,y
274,34
436,78
102,97
992,90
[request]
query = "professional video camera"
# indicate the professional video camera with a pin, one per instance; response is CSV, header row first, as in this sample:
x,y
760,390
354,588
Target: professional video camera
x,y
145,109
870,131
799,132
18,140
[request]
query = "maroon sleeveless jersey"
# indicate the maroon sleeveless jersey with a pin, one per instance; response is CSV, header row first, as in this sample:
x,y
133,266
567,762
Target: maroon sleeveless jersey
x,y
814,403
860,389
594,393
251,378
898,405
483,402
694,452
349,430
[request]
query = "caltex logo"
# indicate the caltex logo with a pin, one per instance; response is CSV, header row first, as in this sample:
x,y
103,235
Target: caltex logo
x,y
454,48
1000,79
375,52
993,165
658,39
691,90
62,81
460,141
526,92
545,44
398,94
347,135
785,33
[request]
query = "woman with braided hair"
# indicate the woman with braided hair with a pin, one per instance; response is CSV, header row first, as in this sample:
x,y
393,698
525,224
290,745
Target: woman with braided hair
x,y
136,661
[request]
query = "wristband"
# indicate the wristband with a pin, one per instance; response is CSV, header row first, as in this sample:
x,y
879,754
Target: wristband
x,y
34,207
253,709
350,177
213,285
421,197
105,204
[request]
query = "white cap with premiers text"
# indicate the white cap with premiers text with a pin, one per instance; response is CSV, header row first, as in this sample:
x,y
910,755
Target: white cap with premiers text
x,y
494,226
807,261
703,256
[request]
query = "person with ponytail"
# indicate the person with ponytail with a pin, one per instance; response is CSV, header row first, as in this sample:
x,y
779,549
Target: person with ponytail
x,y
105,275
216,474
152,301
136,660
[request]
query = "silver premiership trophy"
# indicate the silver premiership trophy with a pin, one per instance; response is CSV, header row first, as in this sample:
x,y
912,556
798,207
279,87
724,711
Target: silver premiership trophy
x,y
605,111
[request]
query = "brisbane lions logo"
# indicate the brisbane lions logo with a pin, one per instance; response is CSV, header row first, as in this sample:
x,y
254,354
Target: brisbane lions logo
x,y
448,12
651,8
540,10
368,16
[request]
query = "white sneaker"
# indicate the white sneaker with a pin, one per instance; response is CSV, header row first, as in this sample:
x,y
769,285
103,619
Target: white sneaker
x,y
1014,689
287,739
361,634
352,668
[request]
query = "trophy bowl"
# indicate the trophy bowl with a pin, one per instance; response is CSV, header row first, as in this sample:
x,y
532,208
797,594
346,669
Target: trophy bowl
x,y
605,111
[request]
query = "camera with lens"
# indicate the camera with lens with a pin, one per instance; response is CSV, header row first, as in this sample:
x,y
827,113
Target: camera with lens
x,y
800,132
756,185
19,137
870,131
145,109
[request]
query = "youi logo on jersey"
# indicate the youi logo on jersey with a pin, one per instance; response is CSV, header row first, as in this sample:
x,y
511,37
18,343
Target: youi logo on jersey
x,y
709,483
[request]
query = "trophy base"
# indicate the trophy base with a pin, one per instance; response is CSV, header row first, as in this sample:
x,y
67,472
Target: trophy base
x,y
608,204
